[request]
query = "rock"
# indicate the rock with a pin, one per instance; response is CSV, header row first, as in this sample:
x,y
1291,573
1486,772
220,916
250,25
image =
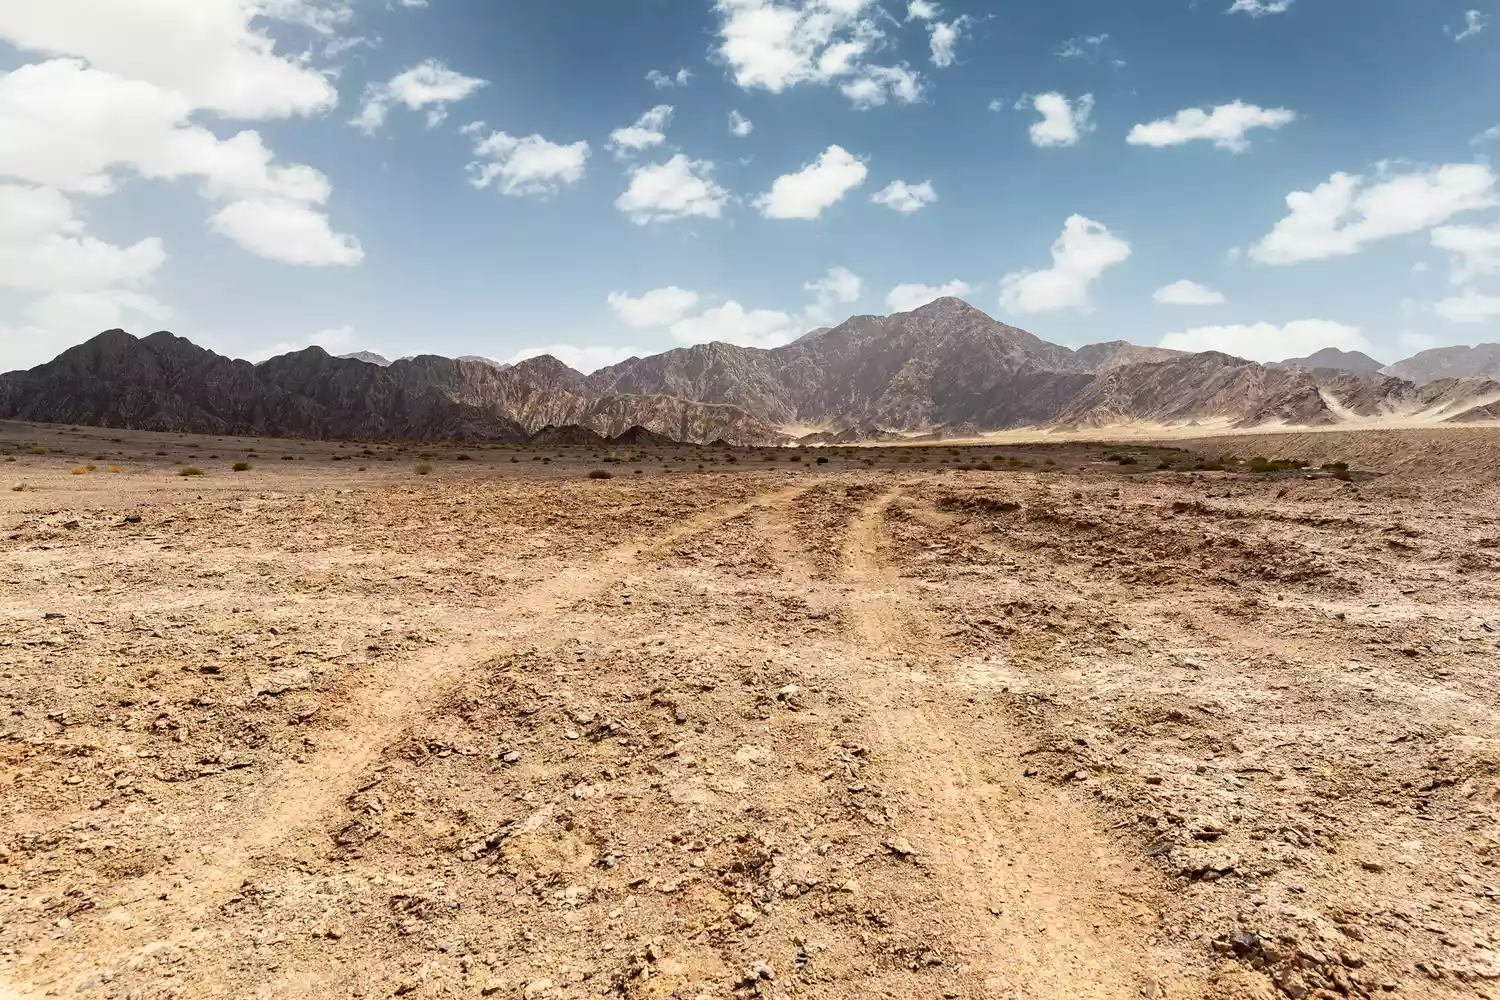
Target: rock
x,y
132,519
788,693
763,970
744,915
1371,865
511,757
900,847
538,987
572,734
680,715
1153,779
491,987
1244,943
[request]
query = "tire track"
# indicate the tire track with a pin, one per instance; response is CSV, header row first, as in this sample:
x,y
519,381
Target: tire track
x,y
1053,898
173,906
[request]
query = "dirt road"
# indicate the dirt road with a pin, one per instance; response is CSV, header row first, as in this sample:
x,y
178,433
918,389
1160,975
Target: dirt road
x,y
863,733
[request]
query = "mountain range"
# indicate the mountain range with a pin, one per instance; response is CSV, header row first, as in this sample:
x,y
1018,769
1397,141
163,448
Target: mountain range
x,y
945,368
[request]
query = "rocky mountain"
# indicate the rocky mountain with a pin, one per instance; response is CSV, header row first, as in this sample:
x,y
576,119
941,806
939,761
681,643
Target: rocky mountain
x,y
166,383
1479,361
942,371
1333,359
368,357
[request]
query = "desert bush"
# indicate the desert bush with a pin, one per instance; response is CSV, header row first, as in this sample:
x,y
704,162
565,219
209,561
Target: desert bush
x,y
115,468
79,470
794,458
1335,466
1342,474
191,470
241,466
904,459
39,450
424,470
601,474
464,458
822,459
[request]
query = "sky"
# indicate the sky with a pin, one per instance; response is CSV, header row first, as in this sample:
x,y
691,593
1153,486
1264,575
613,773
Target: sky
x,y
604,178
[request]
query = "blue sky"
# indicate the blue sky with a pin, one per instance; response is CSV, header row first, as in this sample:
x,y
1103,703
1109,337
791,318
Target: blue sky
x,y
495,177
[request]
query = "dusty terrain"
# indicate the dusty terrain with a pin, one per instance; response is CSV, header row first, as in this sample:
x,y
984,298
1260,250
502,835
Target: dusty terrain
x,y
865,728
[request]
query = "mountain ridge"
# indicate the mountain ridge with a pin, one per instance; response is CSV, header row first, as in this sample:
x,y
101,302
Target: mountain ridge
x,y
945,368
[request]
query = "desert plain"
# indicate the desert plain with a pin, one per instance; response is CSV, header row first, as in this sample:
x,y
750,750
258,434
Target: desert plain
x,y
1031,721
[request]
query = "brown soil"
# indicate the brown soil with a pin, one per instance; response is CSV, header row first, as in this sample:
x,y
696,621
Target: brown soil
x,y
776,729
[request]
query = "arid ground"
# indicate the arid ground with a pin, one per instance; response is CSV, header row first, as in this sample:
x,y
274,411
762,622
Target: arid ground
x,y
1029,722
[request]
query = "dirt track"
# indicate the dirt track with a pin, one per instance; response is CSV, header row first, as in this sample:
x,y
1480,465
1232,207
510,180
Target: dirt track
x,y
863,733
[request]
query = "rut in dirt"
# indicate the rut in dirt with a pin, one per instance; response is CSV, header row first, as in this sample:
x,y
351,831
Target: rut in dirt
x,y
1056,904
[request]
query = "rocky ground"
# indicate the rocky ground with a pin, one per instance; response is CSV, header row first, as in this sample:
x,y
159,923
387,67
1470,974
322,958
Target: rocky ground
x,y
775,729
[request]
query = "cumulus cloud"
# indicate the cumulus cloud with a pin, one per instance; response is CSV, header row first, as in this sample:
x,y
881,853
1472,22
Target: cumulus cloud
x,y
662,81
208,51
524,166
776,44
1259,8
922,10
905,198
1225,126
678,189
649,130
78,129
818,185
1345,213
1268,341
429,84
732,323
1084,251
586,358
1063,121
905,298
1187,293
839,286
1469,307
658,307
288,231
1475,250
942,39
739,125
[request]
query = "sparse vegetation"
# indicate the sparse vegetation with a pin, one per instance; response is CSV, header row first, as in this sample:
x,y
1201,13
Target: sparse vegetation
x,y
191,470
241,467
424,470
79,470
601,474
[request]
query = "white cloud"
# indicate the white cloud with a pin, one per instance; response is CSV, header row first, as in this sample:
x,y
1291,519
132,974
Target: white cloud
x,y
1187,293
943,38
76,315
1474,22
587,359
413,3
207,51
80,129
649,130
287,231
806,193
1225,126
677,189
905,298
839,286
739,125
1475,250
658,307
905,198
776,44
1488,135
662,81
1259,8
525,166
1269,342
922,10
1469,307
429,84
1063,122
1084,251
1346,212
339,340
43,247
732,323
1082,47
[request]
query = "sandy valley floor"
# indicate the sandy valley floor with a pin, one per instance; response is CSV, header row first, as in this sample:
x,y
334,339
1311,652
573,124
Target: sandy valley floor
x,y
864,729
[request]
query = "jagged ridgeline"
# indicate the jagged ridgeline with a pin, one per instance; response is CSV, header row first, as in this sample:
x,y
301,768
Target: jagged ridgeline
x,y
946,367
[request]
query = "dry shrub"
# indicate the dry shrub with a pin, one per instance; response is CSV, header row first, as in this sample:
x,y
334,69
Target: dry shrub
x,y
191,470
79,470
424,470
241,466
115,468
601,474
